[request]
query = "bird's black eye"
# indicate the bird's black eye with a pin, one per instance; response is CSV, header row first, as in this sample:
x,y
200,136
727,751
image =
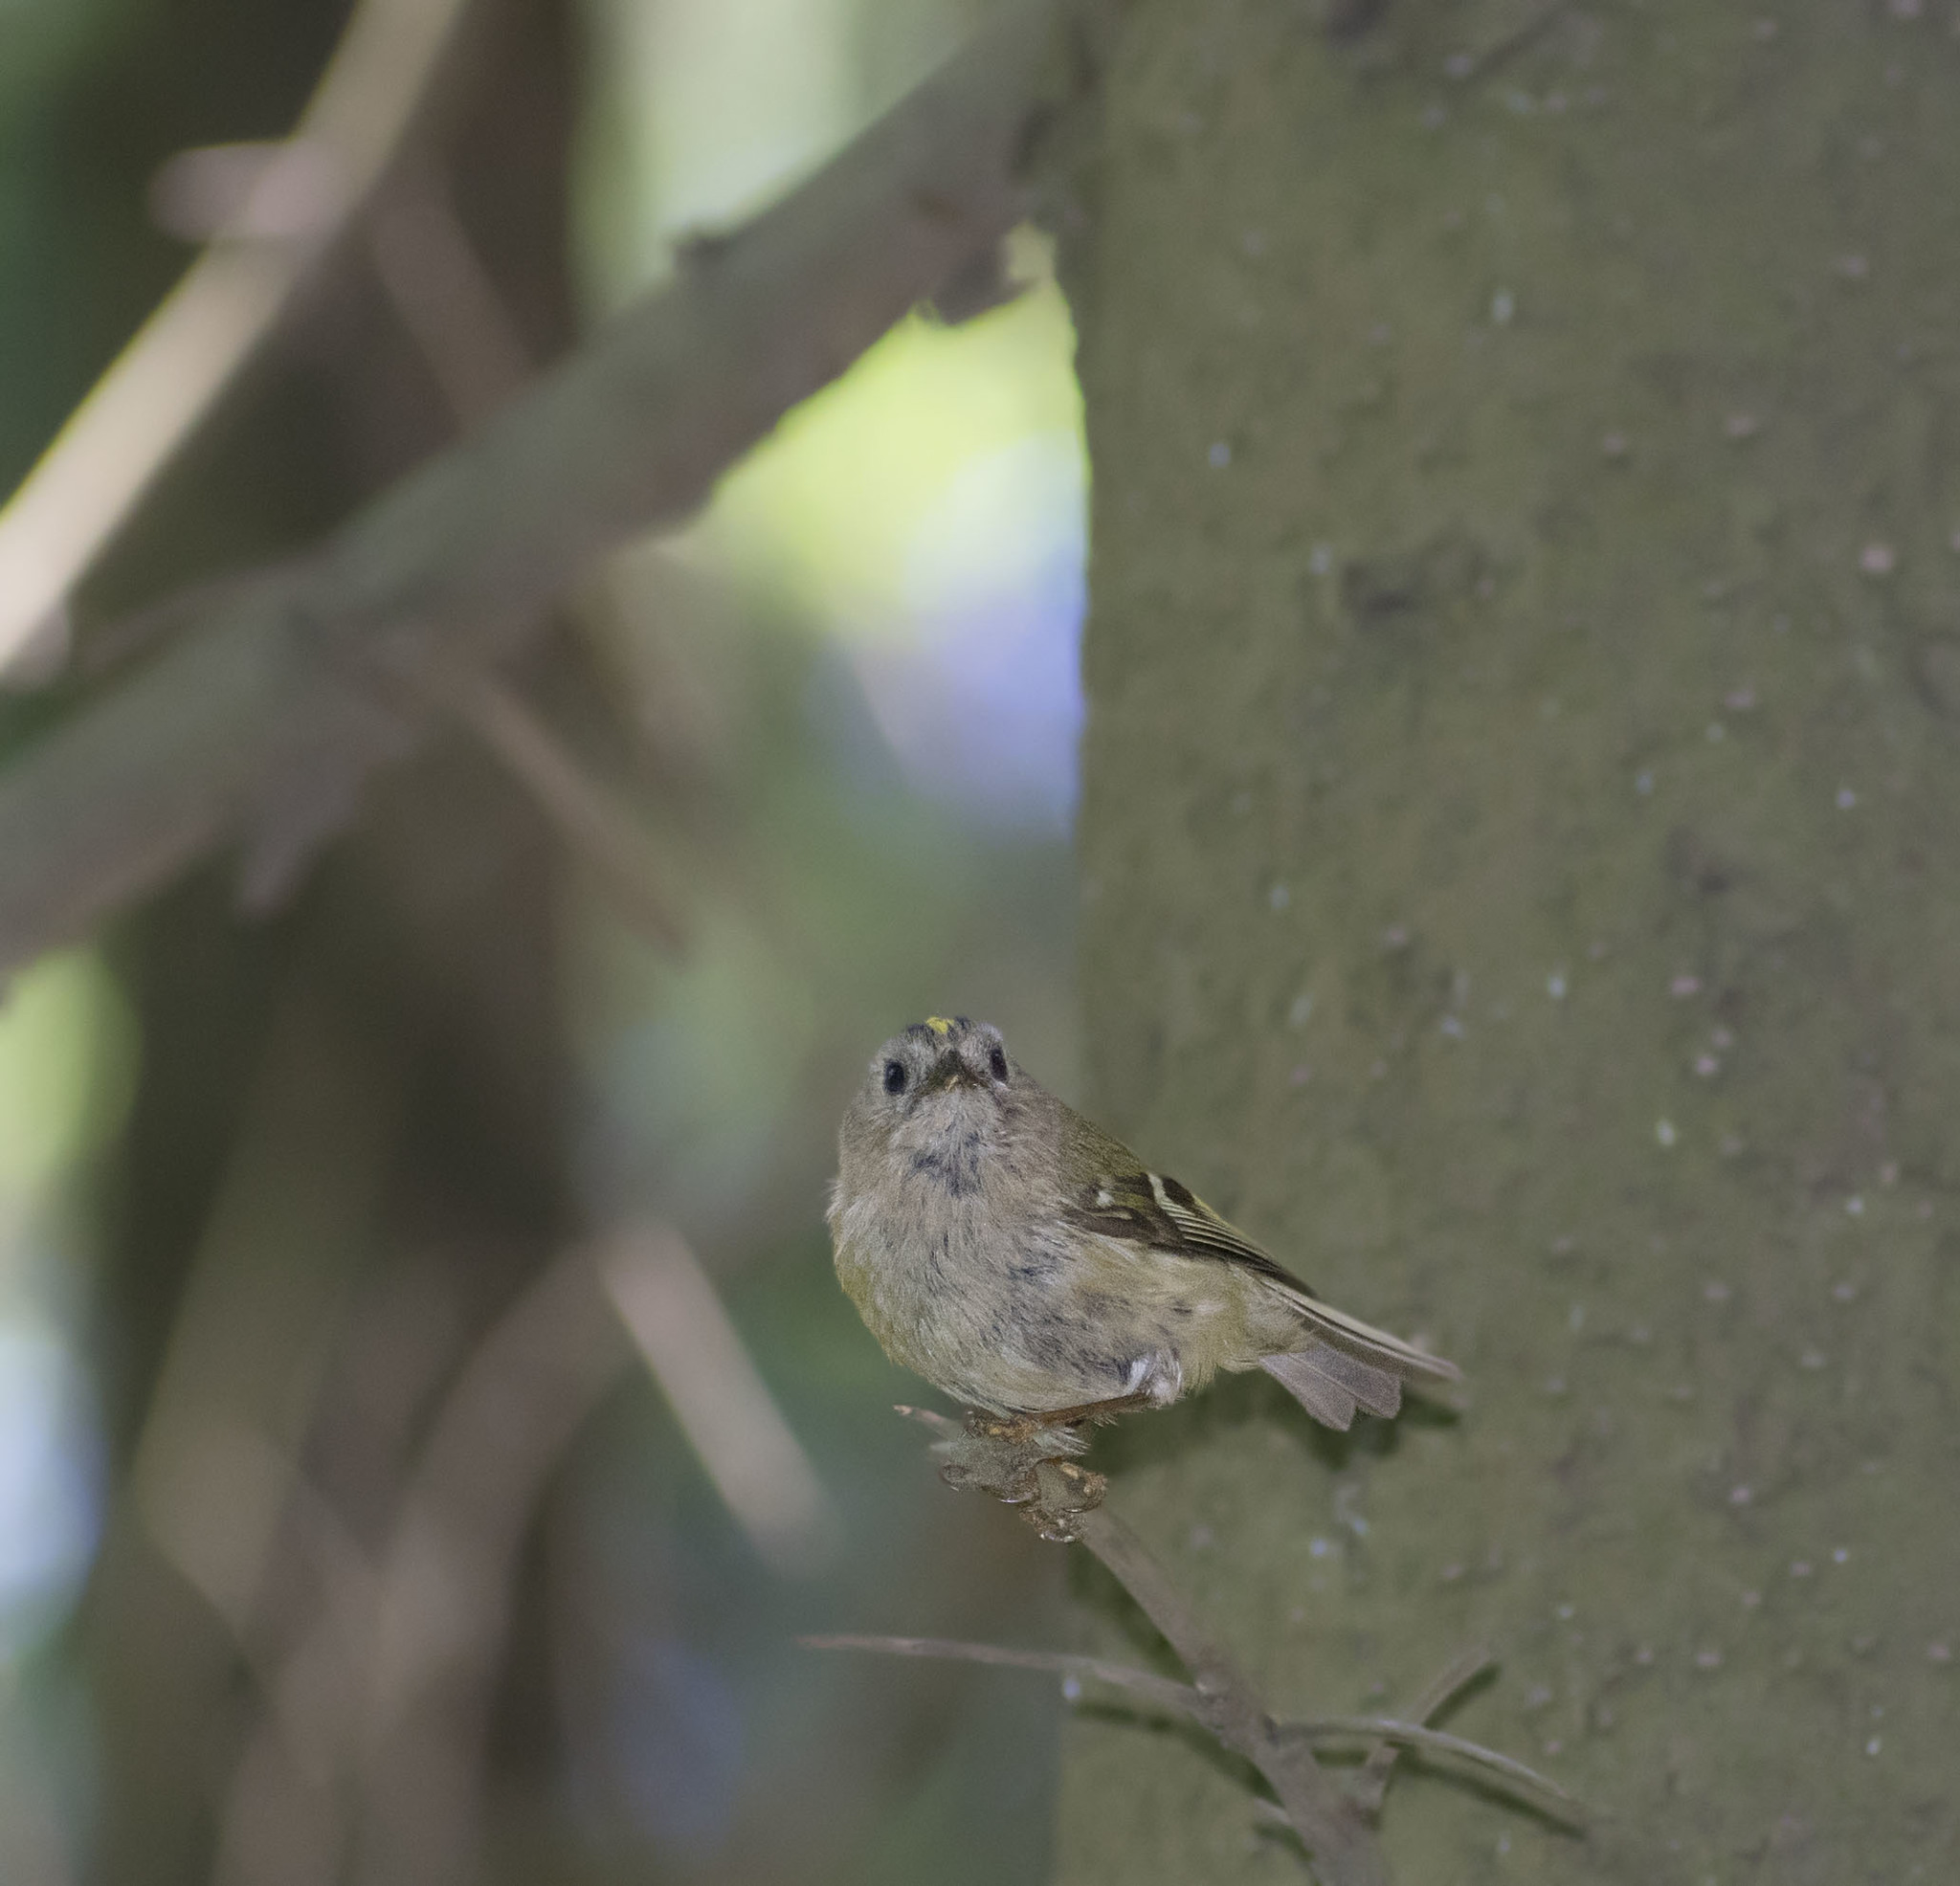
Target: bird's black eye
x,y
895,1077
997,1062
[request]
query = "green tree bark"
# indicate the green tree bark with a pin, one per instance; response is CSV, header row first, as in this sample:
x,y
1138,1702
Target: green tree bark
x,y
1519,883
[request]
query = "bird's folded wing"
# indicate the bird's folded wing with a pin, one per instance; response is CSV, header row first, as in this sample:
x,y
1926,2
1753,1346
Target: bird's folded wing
x,y
1123,1200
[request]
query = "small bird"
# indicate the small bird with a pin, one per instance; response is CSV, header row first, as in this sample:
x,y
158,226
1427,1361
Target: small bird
x,y
1021,1260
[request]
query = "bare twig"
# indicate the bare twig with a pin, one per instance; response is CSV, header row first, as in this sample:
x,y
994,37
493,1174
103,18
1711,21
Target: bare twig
x,y
1380,1767
1339,1841
1180,1699
1333,1824
1185,1700
1164,1691
1541,1788
1031,1470
173,372
254,726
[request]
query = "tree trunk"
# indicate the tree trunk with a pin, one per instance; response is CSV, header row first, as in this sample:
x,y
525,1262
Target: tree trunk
x,y
1519,885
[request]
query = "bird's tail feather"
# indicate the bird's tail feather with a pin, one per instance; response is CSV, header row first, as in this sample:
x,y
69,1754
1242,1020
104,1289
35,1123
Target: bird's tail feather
x,y
1351,1364
1340,1331
1331,1384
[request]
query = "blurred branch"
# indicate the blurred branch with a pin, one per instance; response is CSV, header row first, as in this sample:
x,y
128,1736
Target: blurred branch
x,y
445,299
180,362
211,1484
374,1738
446,1579
724,1406
586,814
377,1679
377,1692
449,306
238,1379
284,1815
444,295
260,724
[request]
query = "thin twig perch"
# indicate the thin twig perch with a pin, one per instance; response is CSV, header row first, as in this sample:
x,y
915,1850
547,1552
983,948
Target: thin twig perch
x,y
1335,1825
1338,1839
1380,1767
1182,1700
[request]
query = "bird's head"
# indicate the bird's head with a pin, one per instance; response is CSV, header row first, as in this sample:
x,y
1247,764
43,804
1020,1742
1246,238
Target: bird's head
x,y
938,1069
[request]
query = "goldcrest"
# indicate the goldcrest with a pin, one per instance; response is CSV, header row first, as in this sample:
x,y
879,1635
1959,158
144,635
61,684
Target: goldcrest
x,y
1029,1265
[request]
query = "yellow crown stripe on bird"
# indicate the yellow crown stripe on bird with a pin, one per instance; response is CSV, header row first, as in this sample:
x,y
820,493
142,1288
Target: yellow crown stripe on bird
x,y
939,1025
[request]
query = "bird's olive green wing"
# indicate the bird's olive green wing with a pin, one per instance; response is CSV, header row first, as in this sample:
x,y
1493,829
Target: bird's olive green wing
x,y
1111,1192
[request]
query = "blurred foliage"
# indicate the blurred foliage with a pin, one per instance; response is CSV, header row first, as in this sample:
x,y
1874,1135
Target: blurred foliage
x,y
67,1064
287,1185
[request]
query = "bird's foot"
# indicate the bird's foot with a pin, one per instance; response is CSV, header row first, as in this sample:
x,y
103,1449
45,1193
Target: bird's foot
x,y
1026,1462
1064,1491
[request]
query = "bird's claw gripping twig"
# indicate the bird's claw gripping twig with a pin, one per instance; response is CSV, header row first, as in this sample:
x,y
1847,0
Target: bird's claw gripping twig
x,y
1022,1461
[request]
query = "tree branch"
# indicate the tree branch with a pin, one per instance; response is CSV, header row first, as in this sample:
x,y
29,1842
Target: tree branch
x,y
260,725
1380,1767
179,364
446,1580
449,306
1182,1700
1333,1824
1541,1789
1341,1847
588,816
1164,1691
687,1339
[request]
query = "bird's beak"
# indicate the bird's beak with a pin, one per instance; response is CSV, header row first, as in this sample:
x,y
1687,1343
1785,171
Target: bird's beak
x,y
952,1072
